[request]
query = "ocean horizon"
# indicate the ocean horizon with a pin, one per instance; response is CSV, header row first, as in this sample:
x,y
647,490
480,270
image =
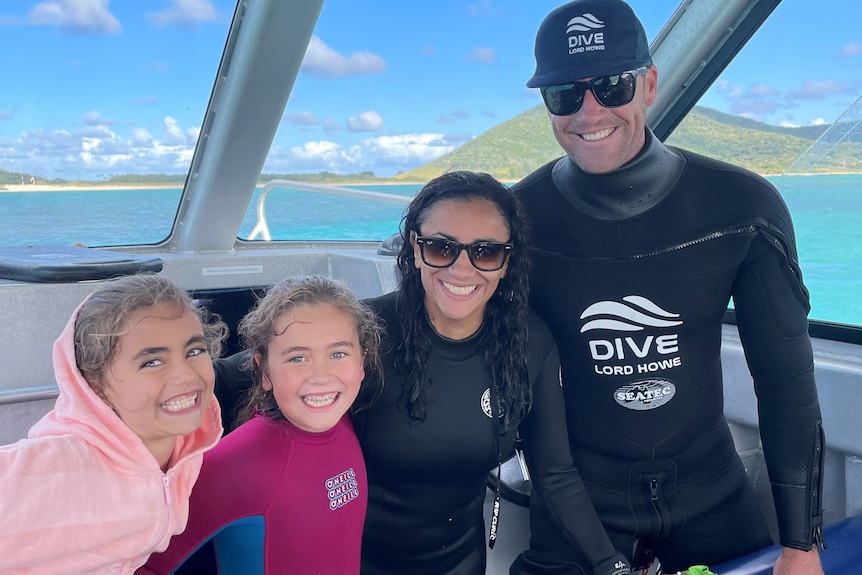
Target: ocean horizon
x,y
826,210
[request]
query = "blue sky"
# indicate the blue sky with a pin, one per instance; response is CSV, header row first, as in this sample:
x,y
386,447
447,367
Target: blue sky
x,y
94,88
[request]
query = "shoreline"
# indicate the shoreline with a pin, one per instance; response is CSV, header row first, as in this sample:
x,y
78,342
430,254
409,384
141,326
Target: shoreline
x,y
18,188
15,188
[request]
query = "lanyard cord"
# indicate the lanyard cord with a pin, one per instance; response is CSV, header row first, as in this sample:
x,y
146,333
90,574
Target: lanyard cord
x,y
495,511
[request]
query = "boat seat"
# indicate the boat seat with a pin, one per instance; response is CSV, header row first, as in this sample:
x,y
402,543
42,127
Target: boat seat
x,y
843,553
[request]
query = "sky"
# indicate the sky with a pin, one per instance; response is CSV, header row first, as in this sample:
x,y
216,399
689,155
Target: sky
x,y
94,88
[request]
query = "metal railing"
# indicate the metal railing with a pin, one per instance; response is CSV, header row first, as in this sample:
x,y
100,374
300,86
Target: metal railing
x,y
10,396
261,229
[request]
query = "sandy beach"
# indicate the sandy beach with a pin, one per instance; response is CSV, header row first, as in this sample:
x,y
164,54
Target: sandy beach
x,y
113,187
79,188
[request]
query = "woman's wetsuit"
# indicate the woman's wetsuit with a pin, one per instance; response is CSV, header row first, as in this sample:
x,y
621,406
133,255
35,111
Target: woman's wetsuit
x,y
427,480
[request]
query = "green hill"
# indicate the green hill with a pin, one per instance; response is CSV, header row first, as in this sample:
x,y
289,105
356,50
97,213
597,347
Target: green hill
x,y
514,148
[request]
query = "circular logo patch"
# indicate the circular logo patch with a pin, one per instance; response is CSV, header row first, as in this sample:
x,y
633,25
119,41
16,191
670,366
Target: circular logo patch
x,y
645,394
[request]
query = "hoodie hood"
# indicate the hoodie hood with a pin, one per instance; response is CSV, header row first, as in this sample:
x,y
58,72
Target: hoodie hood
x,y
79,411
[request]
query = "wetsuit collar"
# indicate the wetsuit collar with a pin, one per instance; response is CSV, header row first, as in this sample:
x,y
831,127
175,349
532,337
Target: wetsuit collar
x,y
629,191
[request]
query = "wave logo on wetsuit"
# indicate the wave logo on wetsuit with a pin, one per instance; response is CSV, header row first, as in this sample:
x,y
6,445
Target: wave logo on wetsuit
x,y
635,354
342,489
485,402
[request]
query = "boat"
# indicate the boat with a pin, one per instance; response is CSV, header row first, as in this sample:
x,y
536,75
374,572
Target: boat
x,y
206,250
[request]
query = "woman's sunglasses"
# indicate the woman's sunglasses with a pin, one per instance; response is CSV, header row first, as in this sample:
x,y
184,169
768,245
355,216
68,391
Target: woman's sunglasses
x,y
442,253
610,92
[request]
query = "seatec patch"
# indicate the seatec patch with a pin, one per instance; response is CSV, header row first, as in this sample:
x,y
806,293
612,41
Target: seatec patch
x,y
645,394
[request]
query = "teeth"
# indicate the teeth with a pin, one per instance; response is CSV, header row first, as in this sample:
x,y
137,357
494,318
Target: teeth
x,y
467,290
597,135
180,404
319,400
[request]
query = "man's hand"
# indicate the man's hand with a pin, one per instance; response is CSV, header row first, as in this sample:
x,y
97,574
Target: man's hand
x,y
796,562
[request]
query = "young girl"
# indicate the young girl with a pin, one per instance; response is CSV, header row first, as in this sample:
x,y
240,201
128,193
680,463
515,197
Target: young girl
x,y
286,491
103,479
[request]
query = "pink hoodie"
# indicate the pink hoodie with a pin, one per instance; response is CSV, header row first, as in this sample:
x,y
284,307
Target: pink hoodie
x,y
83,494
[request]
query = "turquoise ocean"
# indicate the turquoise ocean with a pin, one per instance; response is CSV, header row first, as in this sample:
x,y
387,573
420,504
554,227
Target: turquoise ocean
x,y
826,210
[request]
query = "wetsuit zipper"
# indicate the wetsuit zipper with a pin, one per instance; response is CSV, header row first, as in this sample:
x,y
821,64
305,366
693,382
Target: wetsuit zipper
x,y
817,491
653,492
667,250
771,238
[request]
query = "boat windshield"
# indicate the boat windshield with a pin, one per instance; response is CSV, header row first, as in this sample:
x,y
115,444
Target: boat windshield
x,y
102,111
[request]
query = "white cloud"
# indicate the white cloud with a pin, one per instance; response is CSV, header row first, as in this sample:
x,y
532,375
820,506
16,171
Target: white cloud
x,y
94,118
414,149
96,150
477,8
818,122
369,121
850,50
300,118
321,155
184,13
482,56
818,90
384,155
787,124
80,16
320,149
321,60
762,91
330,125
141,137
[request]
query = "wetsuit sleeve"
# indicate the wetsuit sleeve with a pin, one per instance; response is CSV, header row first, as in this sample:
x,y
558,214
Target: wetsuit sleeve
x,y
771,309
553,474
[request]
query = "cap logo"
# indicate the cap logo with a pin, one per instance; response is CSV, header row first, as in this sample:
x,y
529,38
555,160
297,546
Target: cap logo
x,y
585,38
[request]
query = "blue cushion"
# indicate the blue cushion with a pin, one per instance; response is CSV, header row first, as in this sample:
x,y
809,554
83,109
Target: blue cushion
x,y
843,553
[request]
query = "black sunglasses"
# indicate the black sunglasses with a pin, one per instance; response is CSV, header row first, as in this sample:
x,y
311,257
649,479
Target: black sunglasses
x,y
610,91
442,253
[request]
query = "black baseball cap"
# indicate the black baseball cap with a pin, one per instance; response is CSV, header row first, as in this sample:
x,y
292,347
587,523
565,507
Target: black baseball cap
x,y
588,38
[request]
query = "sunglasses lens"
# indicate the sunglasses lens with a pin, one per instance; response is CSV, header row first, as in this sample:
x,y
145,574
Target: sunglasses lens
x,y
614,91
487,257
610,91
563,100
439,253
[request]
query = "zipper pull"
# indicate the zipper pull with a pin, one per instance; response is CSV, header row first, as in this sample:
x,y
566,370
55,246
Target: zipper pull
x,y
653,488
166,484
818,538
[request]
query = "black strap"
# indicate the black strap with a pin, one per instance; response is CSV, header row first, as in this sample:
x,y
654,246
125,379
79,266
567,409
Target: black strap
x,y
495,510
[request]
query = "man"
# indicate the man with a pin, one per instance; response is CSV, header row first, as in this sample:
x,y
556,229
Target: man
x,y
637,249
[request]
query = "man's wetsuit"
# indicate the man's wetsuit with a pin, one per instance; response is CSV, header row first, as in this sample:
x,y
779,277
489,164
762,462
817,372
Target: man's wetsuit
x,y
427,479
633,272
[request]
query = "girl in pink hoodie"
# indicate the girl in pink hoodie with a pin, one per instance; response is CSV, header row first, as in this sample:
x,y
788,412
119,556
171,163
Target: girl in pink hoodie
x,y
103,480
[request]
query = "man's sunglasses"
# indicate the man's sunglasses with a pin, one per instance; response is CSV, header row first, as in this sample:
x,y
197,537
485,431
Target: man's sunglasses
x,y
610,92
442,253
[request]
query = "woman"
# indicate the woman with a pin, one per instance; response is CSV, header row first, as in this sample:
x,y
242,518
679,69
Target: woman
x,y
467,368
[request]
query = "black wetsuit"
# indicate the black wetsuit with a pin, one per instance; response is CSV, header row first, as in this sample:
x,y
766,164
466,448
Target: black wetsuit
x,y
633,272
427,480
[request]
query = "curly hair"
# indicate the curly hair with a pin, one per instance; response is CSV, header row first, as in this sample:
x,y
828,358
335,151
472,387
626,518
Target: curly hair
x,y
101,321
503,339
258,328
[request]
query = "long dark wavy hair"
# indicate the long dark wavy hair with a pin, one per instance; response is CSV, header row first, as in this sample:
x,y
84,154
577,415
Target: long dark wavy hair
x,y
503,339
